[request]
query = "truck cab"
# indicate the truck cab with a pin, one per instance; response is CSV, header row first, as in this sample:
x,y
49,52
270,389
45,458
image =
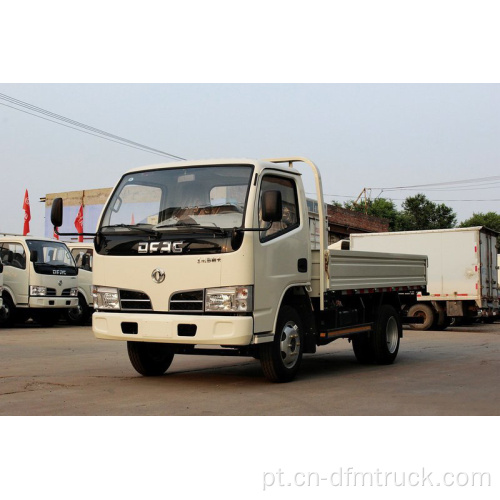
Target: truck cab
x,y
83,254
40,279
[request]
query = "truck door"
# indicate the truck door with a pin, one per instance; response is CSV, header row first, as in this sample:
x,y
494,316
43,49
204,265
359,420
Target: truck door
x,y
15,274
282,253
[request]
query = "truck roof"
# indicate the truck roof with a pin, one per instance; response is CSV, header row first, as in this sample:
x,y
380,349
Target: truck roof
x,y
259,164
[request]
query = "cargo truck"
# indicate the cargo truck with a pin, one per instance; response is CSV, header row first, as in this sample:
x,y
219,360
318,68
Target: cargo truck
x,y
39,279
214,257
462,275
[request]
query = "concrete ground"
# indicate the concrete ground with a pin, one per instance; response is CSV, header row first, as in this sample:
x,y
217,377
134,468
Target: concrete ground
x,y
65,371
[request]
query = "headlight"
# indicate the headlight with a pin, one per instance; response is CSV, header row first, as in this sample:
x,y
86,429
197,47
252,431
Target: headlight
x,y
73,292
229,299
105,297
38,291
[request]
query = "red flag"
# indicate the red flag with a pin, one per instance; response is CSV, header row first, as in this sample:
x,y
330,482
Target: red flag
x,y
56,236
27,214
79,223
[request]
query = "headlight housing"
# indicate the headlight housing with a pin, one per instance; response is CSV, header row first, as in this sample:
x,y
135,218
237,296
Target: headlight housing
x,y
38,291
230,299
73,292
105,297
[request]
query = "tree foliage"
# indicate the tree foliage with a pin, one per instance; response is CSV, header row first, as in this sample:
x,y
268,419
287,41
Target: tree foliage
x,y
490,220
417,213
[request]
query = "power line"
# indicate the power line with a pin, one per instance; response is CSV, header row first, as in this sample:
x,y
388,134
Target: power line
x,y
78,126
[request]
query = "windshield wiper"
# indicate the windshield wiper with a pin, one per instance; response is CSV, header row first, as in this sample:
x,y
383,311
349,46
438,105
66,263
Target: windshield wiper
x,y
146,230
194,225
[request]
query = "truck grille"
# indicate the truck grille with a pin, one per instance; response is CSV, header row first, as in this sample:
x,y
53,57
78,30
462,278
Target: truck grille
x,y
187,301
51,292
132,300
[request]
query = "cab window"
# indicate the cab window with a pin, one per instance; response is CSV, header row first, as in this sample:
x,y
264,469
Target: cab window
x,y
83,258
13,254
289,206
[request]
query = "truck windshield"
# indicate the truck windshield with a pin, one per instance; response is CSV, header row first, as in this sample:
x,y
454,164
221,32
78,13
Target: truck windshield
x,y
51,257
173,198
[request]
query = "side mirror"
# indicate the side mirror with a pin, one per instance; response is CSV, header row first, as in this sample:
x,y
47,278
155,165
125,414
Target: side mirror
x,y
33,256
272,210
56,214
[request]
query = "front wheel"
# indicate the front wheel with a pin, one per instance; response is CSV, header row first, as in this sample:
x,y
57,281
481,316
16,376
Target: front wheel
x,y
7,315
150,358
281,358
78,315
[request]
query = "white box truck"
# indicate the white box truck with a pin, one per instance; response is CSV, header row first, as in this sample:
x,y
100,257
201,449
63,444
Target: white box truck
x,y
215,257
462,275
39,279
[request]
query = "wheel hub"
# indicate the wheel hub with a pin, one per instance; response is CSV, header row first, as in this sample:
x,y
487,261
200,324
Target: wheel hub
x,y
289,344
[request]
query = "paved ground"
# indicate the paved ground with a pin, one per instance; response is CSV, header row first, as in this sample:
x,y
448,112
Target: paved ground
x,y
65,371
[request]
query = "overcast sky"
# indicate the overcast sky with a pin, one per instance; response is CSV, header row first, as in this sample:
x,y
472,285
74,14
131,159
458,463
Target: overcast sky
x,y
359,135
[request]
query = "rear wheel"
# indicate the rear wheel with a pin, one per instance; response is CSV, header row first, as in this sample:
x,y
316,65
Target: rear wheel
x,y
425,312
150,358
386,337
382,345
281,358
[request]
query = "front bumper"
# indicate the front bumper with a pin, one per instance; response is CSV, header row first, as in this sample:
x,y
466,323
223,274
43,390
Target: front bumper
x,y
210,330
52,302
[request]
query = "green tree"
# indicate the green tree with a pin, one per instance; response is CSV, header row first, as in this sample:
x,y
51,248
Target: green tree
x,y
418,213
490,220
380,207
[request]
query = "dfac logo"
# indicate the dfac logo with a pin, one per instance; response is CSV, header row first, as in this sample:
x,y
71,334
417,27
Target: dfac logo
x,y
158,275
160,247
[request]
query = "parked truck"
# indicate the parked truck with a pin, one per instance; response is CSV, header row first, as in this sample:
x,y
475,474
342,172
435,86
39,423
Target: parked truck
x,y
39,279
215,257
462,275
82,253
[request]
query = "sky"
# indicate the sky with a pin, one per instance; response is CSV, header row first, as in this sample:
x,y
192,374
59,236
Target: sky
x,y
359,135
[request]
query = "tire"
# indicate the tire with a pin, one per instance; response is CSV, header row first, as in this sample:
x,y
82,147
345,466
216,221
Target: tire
x,y
386,337
150,359
362,347
281,358
8,314
78,315
425,311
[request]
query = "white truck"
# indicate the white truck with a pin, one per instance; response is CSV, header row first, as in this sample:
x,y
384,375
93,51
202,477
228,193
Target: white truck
x,y
39,279
214,257
83,253
462,276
